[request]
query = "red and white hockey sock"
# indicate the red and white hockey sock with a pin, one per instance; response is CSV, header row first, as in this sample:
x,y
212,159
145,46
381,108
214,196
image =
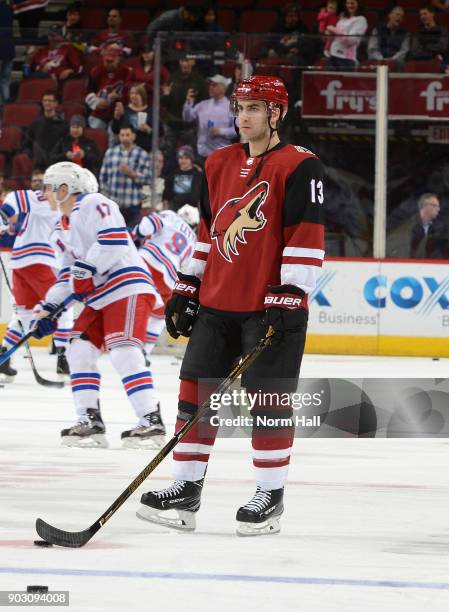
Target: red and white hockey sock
x,y
129,362
155,327
272,440
191,456
85,377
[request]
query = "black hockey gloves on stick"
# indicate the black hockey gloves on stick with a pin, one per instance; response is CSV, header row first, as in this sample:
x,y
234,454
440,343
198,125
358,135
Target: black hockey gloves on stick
x,y
182,308
284,310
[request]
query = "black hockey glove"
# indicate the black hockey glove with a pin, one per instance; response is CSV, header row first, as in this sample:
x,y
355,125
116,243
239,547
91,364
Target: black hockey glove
x,y
284,309
182,307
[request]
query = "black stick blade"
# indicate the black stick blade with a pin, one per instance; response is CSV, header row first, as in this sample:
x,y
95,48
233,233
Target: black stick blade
x,y
68,539
57,384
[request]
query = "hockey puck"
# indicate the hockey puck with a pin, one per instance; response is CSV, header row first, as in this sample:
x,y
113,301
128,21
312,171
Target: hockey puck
x,y
37,588
42,543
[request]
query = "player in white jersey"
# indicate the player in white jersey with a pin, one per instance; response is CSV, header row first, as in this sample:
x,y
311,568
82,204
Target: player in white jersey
x,y
33,263
103,269
168,242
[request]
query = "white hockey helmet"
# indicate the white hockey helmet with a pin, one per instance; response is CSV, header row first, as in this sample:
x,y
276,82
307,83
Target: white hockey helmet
x,y
65,173
90,181
189,214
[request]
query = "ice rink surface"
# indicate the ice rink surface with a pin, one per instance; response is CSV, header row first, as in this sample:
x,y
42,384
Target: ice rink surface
x,y
366,525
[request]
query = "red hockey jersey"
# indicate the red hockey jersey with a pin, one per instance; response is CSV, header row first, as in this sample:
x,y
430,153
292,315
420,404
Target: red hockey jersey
x,y
104,81
261,224
55,60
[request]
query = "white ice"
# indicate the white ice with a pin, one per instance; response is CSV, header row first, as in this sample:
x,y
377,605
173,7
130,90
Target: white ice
x,y
366,526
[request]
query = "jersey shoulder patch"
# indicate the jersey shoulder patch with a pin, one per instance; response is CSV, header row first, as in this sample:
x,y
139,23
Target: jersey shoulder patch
x,y
303,150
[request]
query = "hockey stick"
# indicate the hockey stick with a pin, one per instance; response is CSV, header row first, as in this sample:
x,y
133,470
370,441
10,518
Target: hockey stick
x,y
39,379
76,539
5,356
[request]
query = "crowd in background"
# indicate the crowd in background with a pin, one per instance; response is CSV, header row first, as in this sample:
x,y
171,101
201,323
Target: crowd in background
x,y
108,128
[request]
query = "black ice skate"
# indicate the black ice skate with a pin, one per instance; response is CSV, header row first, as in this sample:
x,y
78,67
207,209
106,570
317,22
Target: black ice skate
x,y
62,366
87,433
146,436
260,516
7,373
174,506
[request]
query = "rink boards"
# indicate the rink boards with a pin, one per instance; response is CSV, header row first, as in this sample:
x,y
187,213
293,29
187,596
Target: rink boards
x,y
381,307
366,307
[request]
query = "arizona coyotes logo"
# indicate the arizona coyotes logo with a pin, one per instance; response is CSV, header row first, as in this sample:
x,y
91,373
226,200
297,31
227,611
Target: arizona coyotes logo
x,y
237,216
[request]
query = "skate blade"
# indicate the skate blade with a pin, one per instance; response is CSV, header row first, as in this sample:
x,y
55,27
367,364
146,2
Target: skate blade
x,y
153,443
182,521
269,527
94,441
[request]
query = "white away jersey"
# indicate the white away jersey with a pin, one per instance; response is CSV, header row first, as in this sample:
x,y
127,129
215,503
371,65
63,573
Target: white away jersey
x,y
98,236
169,243
37,220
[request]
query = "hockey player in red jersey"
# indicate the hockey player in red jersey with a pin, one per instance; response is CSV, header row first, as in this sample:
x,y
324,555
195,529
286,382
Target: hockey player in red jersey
x,y
259,251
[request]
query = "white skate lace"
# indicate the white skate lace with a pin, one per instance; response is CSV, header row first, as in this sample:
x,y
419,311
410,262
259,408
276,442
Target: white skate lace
x,y
172,490
260,500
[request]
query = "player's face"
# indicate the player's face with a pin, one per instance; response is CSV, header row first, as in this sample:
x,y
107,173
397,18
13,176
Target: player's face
x,y
252,118
55,197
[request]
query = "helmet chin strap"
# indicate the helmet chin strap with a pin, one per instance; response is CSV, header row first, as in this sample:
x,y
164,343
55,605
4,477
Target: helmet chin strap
x,y
258,169
59,203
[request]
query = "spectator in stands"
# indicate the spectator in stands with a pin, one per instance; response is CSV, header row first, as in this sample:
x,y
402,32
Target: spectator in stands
x,y
137,114
76,148
410,233
108,84
143,68
215,124
37,180
183,185
350,28
72,30
29,14
125,170
431,40
211,23
45,131
327,17
388,40
58,59
428,237
113,35
174,96
7,50
184,18
295,43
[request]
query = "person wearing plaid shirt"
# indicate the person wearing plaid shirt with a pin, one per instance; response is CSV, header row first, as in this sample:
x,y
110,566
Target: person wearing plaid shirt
x,y
126,169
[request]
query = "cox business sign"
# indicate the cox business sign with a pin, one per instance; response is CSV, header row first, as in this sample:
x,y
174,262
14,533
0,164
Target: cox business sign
x,y
381,298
